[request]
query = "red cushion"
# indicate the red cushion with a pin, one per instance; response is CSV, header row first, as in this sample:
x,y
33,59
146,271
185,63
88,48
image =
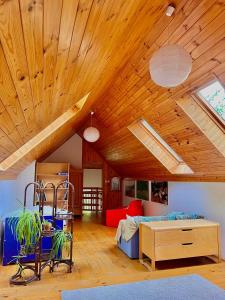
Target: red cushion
x,y
135,208
113,216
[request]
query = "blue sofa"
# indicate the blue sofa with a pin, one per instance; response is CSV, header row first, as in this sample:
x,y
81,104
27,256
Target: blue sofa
x,y
131,247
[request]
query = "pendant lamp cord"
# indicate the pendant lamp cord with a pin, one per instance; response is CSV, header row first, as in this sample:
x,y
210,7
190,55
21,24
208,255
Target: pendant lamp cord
x,y
91,117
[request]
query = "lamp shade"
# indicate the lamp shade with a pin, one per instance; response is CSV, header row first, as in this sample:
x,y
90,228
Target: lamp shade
x,y
91,134
170,66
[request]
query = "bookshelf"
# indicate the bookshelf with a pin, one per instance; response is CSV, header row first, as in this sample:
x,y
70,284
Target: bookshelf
x,y
54,173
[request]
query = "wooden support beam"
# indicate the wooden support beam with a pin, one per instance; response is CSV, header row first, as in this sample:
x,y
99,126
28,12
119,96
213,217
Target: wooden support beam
x,y
214,133
42,135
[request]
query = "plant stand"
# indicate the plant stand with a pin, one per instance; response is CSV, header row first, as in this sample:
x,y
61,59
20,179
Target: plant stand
x,y
69,218
45,259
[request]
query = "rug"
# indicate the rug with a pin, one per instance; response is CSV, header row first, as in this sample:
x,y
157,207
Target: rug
x,y
190,287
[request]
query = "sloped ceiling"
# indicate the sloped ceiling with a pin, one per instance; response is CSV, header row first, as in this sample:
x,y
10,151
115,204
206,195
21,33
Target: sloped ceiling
x,y
53,52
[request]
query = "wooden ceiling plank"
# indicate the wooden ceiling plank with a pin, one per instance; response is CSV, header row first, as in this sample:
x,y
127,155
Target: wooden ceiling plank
x,y
52,21
201,8
83,13
204,22
205,32
11,35
9,98
65,37
32,22
73,71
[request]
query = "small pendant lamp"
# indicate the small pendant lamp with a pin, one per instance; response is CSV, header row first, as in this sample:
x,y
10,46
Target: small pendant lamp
x,y
91,134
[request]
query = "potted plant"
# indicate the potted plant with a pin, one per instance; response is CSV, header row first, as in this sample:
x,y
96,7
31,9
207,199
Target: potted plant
x,y
27,229
61,242
46,225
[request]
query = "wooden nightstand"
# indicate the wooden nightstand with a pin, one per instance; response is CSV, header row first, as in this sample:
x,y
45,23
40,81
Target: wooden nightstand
x,y
165,240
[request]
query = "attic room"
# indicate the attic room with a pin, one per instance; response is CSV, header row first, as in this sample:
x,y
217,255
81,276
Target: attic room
x,y
112,152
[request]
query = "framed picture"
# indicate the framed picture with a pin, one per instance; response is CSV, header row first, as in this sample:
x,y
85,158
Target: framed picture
x,y
142,191
160,192
129,188
115,184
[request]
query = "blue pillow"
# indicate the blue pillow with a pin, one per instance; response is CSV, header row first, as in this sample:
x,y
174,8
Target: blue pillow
x,y
175,213
189,216
139,219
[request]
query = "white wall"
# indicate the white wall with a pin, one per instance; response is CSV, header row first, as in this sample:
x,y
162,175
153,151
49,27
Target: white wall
x,y
7,197
25,177
92,177
70,151
207,199
12,192
204,198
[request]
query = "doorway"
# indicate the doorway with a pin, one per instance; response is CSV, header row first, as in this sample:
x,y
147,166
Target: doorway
x,y
92,190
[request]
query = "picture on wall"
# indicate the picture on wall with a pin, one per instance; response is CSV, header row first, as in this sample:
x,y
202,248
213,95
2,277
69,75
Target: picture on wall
x,y
160,192
115,184
130,188
142,190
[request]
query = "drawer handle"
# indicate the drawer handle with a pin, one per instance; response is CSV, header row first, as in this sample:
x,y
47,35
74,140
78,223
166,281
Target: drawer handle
x,y
189,229
187,244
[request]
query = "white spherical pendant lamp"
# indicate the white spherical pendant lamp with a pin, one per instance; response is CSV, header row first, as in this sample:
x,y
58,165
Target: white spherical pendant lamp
x,y
170,66
91,134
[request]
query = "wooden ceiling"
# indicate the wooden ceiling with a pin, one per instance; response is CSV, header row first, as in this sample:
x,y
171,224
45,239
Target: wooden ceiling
x,y
54,52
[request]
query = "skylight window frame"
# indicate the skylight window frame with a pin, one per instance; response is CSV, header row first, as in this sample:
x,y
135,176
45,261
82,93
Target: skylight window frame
x,y
159,148
212,113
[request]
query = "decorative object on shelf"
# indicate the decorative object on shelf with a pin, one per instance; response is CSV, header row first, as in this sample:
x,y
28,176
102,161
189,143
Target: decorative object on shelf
x,y
159,192
142,190
129,188
171,64
63,173
91,134
115,184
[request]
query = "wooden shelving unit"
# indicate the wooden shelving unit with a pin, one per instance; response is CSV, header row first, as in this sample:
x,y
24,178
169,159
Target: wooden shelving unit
x,y
54,173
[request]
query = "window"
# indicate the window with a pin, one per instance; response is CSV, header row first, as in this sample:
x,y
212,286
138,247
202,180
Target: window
x,y
213,95
146,134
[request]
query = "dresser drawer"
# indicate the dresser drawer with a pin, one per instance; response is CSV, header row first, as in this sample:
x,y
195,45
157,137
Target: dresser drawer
x,y
201,236
185,250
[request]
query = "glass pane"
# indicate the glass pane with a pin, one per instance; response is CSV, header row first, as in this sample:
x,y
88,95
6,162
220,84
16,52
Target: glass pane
x,y
214,95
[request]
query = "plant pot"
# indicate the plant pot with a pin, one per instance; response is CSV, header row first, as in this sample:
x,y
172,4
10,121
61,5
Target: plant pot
x,y
47,227
48,232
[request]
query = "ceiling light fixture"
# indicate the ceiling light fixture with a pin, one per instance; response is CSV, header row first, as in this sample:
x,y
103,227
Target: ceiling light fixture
x,y
171,64
91,134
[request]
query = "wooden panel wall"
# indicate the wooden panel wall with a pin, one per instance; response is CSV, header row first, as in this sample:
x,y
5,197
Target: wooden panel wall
x,y
92,160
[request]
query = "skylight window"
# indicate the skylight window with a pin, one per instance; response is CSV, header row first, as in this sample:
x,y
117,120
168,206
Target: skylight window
x,y
213,96
147,135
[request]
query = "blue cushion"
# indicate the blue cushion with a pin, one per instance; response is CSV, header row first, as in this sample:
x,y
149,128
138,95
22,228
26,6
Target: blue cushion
x,y
175,213
139,219
189,216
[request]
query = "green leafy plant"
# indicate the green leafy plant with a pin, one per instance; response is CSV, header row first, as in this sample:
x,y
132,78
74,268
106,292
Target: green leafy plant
x,y
61,242
26,228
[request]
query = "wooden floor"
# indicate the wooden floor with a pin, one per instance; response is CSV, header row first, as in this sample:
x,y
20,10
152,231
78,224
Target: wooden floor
x,y
99,262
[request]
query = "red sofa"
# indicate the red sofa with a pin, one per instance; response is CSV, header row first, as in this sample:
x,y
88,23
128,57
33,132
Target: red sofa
x,y
113,216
